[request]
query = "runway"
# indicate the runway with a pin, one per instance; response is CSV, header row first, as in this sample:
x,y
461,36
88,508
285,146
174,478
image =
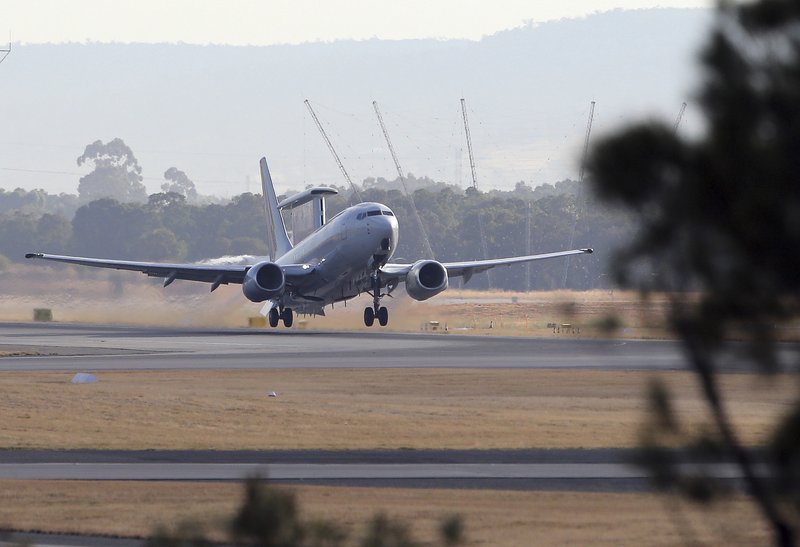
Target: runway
x,y
96,348
528,469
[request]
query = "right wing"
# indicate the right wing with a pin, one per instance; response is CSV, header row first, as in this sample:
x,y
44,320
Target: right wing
x,y
217,275
469,268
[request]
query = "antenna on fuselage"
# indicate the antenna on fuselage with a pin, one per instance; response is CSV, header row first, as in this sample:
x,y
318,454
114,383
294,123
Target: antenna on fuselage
x,y
425,240
333,150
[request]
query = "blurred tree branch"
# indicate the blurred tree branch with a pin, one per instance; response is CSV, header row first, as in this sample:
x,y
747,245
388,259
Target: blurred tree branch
x,y
720,217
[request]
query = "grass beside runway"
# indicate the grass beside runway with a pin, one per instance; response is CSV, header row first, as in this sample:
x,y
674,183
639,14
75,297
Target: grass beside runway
x,y
361,409
491,517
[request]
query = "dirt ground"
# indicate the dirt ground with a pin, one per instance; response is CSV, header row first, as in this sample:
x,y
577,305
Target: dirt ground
x,y
492,518
357,408
81,295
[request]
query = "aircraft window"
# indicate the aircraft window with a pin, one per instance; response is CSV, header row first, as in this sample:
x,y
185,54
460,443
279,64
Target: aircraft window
x,y
388,213
361,216
373,213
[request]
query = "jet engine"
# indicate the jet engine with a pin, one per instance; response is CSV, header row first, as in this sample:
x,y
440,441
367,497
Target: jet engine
x,y
426,278
264,281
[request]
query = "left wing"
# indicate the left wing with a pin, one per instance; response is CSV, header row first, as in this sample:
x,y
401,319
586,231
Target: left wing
x,y
469,268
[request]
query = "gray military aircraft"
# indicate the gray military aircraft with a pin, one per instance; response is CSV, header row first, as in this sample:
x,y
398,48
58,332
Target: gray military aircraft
x,y
338,260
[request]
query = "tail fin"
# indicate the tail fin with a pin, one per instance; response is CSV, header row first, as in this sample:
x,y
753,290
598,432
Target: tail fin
x,y
278,243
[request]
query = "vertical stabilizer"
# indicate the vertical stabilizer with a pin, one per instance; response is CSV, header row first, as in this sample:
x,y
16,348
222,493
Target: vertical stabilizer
x,y
278,243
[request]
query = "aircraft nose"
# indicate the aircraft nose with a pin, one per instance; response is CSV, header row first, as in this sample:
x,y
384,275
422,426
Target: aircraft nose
x,y
388,230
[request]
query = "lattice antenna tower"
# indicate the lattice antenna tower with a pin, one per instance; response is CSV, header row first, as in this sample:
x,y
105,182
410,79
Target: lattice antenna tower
x,y
475,186
426,242
333,151
579,194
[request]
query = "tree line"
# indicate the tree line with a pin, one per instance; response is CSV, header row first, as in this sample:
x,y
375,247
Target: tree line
x,y
113,217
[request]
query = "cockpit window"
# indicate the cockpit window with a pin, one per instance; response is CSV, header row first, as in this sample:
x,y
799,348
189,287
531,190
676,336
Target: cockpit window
x,y
388,213
361,216
374,213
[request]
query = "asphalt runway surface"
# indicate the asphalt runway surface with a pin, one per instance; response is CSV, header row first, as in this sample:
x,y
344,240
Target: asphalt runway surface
x,y
96,348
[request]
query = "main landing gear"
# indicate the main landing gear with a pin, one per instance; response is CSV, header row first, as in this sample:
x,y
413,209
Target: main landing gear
x,y
376,311
286,315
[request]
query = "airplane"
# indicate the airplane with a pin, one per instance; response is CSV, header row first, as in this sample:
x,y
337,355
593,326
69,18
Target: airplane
x,y
339,260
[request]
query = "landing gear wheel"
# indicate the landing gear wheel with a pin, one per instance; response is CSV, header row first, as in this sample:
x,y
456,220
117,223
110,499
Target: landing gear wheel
x,y
288,317
369,316
274,317
383,316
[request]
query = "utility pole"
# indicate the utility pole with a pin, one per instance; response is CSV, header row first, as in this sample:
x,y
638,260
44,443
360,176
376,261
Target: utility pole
x,y
426,242
333,151
579,194
475,186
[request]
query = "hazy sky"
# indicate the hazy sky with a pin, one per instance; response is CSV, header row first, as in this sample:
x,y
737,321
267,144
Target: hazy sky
x,y
260,22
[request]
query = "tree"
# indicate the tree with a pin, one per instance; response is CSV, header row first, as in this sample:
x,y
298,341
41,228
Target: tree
x,y
720,216
116,173
179,184
271,517
108,228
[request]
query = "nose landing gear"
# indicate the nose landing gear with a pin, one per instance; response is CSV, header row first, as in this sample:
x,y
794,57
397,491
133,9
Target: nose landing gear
x,y
376,311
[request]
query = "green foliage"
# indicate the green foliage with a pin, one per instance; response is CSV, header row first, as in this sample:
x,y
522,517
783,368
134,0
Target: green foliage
x,y
116,173
452,531
271,517
268,517
721,216
38,202
188,534
179,183
384,531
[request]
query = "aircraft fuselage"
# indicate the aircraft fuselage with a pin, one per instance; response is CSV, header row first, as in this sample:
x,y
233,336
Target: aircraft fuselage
x,y
344,253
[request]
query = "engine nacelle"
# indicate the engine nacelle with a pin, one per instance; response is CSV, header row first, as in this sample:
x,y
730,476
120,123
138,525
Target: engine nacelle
x,y
426,278
264,281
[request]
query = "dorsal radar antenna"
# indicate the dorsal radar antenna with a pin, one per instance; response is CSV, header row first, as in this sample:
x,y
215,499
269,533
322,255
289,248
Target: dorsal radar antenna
x,y
333,150
425,240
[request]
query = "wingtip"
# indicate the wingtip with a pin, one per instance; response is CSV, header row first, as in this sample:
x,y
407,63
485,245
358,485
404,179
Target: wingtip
x,y
588,251
33,255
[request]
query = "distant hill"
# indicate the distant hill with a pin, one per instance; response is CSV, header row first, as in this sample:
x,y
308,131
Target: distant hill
x,y
212,111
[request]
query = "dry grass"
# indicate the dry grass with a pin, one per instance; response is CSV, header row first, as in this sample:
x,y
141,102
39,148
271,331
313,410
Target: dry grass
x,y
349,409
100,296
491,517
81,295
